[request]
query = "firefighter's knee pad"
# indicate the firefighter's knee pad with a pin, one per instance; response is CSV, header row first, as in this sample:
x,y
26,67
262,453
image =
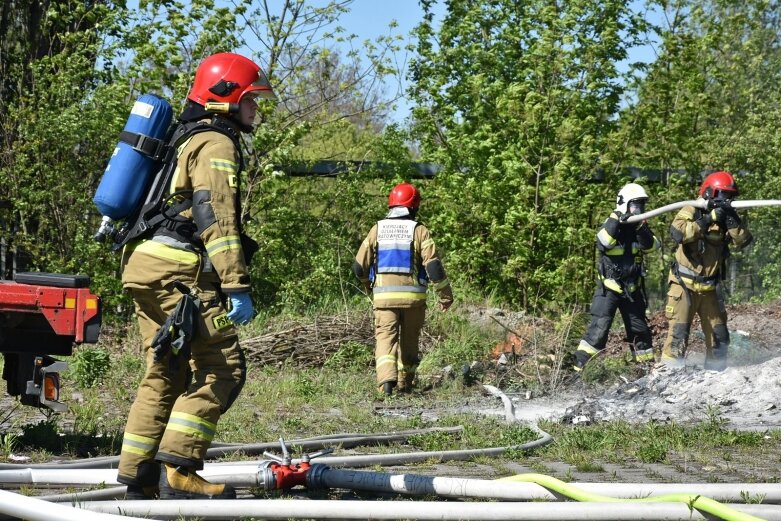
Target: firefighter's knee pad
x,y
720,335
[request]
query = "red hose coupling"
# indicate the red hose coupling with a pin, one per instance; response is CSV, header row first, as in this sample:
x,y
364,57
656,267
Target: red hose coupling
x,y
288,476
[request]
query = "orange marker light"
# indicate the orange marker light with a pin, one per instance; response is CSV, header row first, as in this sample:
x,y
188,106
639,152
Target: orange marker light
x,y
51,387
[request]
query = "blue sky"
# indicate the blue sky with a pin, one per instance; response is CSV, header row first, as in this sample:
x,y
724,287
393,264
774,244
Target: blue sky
x,y
370,18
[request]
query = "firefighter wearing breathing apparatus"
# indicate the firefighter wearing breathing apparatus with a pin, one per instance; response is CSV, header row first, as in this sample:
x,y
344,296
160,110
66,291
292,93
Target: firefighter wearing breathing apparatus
x,y
394,264
703,238
622,247
200,252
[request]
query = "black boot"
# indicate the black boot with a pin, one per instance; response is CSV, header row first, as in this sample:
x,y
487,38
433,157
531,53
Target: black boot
x,y
145,484
387,388
137,492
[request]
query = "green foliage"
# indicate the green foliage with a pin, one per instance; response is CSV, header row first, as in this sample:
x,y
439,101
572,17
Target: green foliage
x,y
432,441
323,221
304,386
463,343
516,102
521,105
652,442
603,369
43,435
710,100
89,366
653,451
9,441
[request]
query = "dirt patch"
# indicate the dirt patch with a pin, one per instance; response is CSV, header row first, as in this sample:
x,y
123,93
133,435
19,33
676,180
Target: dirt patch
x,y
754,332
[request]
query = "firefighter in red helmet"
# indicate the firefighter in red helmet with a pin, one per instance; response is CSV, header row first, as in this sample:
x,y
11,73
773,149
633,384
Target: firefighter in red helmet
x,y
200,248
704,238
395,263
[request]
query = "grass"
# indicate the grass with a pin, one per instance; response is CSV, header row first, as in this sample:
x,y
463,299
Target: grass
x,y
290,402
295,403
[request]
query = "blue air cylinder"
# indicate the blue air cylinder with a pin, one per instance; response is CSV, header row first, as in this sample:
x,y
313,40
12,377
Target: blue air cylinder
x,y
131,165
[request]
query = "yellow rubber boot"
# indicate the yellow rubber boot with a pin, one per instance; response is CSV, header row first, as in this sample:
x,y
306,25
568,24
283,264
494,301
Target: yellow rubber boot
x,y
184,483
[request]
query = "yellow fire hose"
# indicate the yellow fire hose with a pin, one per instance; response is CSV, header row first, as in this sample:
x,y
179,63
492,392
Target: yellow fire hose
x,y
704,504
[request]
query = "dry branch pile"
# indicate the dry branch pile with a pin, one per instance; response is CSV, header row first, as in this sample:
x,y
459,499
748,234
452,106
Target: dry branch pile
x,y
309,344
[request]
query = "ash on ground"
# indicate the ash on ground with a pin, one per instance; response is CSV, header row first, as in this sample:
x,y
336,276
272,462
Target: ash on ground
x,y
745,396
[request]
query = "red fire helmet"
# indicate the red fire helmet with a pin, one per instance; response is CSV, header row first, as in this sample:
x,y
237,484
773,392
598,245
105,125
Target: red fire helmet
x,y
404,194
227,77
718,182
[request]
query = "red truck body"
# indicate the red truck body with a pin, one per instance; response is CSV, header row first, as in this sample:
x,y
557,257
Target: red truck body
x,y
43,314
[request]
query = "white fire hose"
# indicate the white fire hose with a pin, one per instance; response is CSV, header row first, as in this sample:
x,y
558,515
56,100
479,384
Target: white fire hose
x,y
702,204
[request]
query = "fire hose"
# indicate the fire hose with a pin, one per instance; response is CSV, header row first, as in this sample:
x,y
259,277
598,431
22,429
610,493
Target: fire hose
x,y
284,473
703,205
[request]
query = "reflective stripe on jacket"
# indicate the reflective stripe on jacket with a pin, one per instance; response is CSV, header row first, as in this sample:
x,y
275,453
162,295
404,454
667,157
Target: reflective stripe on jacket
x,y
701,253
622,247
207,163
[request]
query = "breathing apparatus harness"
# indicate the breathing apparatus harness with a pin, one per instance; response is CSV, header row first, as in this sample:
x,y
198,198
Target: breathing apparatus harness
x,y
626,269
159,214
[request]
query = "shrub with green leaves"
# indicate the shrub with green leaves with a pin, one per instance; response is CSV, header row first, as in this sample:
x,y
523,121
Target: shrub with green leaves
x,y
89,366
351,355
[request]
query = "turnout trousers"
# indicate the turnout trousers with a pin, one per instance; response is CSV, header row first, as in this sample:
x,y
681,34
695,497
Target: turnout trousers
x,y
174,416
682,305
396,355
603,309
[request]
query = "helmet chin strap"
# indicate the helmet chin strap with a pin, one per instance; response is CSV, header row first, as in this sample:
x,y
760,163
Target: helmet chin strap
x,y
244,128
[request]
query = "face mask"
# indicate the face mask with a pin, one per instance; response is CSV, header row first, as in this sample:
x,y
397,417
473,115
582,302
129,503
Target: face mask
x,y
723,196
636,207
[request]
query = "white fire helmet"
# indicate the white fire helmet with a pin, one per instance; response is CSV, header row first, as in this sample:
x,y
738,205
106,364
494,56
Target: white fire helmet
x,y
629,192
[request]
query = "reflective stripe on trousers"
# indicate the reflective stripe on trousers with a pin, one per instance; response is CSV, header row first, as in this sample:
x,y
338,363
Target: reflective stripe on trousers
x,y
397,333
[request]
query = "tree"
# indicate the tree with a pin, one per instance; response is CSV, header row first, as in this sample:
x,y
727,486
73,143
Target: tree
x,y
711,101
516,101
96,58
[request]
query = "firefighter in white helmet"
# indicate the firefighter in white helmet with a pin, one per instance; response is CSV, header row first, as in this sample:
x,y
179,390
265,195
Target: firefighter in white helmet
x,y
622,247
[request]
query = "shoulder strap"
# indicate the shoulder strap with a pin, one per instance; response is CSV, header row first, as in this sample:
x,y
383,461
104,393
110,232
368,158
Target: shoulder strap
x,y
151,147
150,215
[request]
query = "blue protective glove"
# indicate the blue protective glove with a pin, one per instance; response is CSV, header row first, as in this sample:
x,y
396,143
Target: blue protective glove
x,y
241,308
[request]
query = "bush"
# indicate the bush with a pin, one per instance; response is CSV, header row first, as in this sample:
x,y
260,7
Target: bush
x,y
89,366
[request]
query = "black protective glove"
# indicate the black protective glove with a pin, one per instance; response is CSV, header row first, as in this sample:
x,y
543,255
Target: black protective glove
x,y
704,221
719,203
621,216
645,237
731,220
718,214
